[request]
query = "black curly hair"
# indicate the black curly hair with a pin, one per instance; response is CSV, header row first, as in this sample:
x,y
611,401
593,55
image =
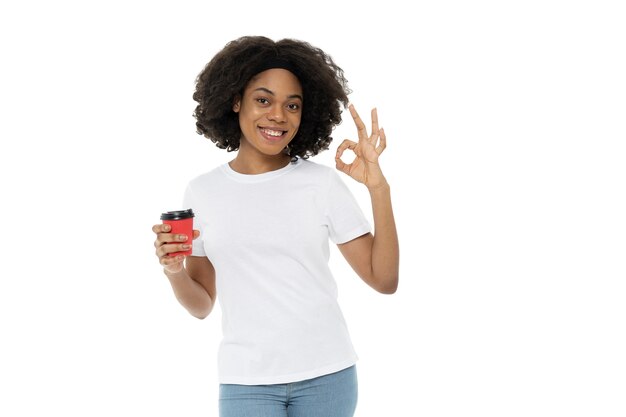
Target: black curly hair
x,y
225,77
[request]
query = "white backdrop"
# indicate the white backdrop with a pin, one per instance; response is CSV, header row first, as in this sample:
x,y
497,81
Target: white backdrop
x,y
506,130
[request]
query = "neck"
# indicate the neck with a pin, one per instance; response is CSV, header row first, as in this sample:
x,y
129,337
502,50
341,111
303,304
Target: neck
x,y
250,162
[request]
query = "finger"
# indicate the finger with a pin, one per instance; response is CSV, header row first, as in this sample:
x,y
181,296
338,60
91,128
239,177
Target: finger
x,y
383,142
360,126
170,251
165,250
196,234
171,260
161,228
375,133
342,166
339,164
346,144
163,238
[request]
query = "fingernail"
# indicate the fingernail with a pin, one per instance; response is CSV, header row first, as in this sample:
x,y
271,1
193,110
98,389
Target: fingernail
x,y
182,237
166,228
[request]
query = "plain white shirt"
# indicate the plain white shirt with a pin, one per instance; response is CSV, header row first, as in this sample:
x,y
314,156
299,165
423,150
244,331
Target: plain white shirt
x,y
267,237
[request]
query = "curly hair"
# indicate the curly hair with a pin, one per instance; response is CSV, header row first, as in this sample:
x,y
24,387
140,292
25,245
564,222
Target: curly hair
x,y
225,77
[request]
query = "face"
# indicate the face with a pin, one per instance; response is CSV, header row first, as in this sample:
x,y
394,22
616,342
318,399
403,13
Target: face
x,y
270,111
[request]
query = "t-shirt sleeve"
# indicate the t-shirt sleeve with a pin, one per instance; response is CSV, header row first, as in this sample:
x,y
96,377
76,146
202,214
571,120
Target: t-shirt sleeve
x,y
344,217
197,247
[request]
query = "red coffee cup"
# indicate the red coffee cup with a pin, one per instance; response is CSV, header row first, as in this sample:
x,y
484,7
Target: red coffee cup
x,y
181,223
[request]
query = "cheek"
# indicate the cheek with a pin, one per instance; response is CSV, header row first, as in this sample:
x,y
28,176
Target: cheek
x,y
297,119
249,115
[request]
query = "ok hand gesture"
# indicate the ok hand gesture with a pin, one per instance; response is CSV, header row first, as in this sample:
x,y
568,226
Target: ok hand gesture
x,y
365,168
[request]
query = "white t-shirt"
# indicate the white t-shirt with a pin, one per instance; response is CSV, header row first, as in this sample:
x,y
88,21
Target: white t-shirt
x,y
267,237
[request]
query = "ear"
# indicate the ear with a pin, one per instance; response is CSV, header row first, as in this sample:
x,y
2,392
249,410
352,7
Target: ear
x,y
237,103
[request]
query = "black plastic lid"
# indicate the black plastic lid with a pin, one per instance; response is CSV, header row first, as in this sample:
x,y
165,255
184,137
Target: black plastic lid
x,y
177,215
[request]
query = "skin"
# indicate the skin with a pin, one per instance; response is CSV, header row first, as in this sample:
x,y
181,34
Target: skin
x,y
375,258
273,99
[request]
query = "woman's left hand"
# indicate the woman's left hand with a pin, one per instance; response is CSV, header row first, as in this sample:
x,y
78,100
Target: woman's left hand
x,y
365,168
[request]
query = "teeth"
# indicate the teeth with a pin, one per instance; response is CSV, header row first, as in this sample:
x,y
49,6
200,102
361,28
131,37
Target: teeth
x,y
273,132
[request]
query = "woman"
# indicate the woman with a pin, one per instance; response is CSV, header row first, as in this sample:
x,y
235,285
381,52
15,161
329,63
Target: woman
x,y
263,224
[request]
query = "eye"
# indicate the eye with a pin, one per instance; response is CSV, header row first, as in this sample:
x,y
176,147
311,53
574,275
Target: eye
x,y
262,100
293,106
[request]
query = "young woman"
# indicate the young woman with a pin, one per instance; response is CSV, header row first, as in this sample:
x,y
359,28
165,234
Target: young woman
x,y
263,223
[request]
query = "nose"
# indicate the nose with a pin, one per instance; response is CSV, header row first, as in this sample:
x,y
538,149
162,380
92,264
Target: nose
x,y
276,114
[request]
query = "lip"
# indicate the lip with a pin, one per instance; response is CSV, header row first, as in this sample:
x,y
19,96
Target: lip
x,y
270,138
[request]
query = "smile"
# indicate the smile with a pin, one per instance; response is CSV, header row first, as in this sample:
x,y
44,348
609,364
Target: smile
x,y
271,134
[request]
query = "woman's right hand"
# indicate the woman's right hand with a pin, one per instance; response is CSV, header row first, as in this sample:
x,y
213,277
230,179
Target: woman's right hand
x,y
167,243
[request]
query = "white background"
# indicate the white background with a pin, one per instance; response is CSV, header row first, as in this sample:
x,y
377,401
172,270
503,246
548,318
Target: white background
x,y
506,158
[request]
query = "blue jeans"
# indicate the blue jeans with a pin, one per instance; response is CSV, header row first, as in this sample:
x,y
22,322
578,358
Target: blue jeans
x,y
333,395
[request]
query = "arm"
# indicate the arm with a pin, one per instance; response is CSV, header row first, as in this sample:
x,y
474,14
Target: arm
x,y
374,258
194,286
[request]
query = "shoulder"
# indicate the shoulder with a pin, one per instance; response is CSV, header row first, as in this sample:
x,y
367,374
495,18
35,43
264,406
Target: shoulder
x,y
327,178
314,170
209,178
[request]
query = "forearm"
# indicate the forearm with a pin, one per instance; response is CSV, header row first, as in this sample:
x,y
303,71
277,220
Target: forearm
x,y
190,294
385,247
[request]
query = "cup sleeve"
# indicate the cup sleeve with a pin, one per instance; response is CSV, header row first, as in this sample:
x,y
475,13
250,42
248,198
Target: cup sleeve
x,y
344,217
197,247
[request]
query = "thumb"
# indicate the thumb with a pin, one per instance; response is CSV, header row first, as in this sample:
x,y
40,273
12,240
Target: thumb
x,y
340,165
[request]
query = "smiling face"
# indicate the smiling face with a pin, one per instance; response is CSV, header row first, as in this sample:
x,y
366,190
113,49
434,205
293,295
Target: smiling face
x,y
270,111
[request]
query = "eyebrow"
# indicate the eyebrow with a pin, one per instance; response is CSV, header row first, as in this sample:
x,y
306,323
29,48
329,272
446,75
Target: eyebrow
x,y
272,93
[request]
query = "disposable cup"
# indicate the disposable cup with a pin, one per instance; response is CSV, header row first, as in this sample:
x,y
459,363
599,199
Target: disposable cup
x,y
181,223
